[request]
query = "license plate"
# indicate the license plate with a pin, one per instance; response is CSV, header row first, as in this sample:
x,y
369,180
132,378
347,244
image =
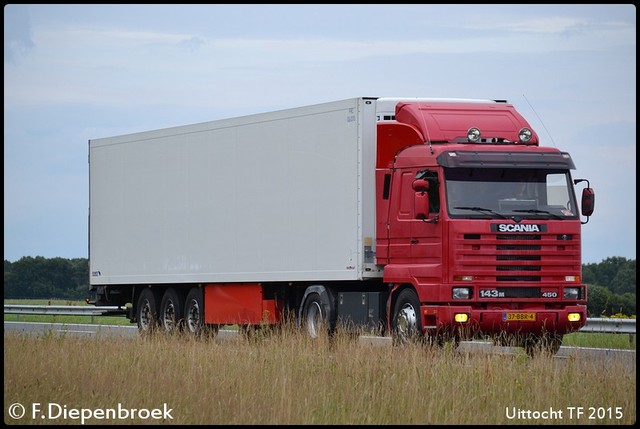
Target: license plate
x,y
519,317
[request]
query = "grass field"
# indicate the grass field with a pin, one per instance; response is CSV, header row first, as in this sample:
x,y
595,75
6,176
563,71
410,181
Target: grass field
x,y
290,379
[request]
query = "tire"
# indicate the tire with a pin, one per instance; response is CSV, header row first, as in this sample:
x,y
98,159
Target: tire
x,y
545,344
314,316
552,343
147,311
172,311
504,339
193,315
194,311
406,324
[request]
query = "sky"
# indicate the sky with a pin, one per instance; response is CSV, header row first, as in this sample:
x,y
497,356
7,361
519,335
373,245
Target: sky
x,y
78,72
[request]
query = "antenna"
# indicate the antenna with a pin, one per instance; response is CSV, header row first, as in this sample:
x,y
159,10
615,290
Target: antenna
x,y
543,125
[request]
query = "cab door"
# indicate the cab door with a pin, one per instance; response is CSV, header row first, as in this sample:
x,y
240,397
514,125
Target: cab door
x,y
414,237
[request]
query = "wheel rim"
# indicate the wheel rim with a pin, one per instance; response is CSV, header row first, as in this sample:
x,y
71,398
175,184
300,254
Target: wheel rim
x,y
314,319
169,317
406,322
146,316
193,316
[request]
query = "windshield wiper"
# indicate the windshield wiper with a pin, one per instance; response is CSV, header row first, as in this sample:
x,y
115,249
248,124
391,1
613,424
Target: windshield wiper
x,y
539,211
482,209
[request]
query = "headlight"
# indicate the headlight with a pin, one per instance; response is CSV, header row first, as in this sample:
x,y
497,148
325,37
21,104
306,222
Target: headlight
x,y
525,135
461,293
571,293
574,317
473,135
461,317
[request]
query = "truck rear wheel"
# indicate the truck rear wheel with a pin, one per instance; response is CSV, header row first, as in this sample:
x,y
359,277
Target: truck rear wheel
x,y
147,311
172,311
406,325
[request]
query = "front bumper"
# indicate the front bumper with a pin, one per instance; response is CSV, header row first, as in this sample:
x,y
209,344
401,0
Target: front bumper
x,y
497,321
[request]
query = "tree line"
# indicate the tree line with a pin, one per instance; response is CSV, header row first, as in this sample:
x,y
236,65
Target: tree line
x,y
611,283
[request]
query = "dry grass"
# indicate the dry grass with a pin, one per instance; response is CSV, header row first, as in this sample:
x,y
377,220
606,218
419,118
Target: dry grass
x,y
290,379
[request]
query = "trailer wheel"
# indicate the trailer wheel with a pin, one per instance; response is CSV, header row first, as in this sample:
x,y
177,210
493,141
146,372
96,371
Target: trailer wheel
x,y
147,311
194,315
314,316
406,326
194,311
172,311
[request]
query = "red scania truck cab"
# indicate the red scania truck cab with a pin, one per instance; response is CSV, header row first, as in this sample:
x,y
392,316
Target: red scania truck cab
x,y
478,226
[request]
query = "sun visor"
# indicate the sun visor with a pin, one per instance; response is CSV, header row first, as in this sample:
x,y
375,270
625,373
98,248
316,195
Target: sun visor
x,y
506,159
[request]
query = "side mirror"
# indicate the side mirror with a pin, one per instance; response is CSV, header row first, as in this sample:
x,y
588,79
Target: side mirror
x,y
421,198
588,201
420,185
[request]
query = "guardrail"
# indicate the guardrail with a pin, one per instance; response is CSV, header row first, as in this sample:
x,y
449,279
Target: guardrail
x,y
615,326
603,325
63,310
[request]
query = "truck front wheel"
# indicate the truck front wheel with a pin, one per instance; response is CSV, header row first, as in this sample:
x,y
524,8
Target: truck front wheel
x,y
543,344
406,325
147,311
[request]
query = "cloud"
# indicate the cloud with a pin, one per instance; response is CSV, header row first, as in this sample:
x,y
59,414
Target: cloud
x,y
17,33
75,64
553,25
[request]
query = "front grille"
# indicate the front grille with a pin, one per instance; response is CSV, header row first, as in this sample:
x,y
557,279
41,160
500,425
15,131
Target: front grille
x,y
516,258
515,268
520,247
519,237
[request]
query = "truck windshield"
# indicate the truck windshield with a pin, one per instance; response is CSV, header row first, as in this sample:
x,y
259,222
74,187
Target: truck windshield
x,y
500,192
